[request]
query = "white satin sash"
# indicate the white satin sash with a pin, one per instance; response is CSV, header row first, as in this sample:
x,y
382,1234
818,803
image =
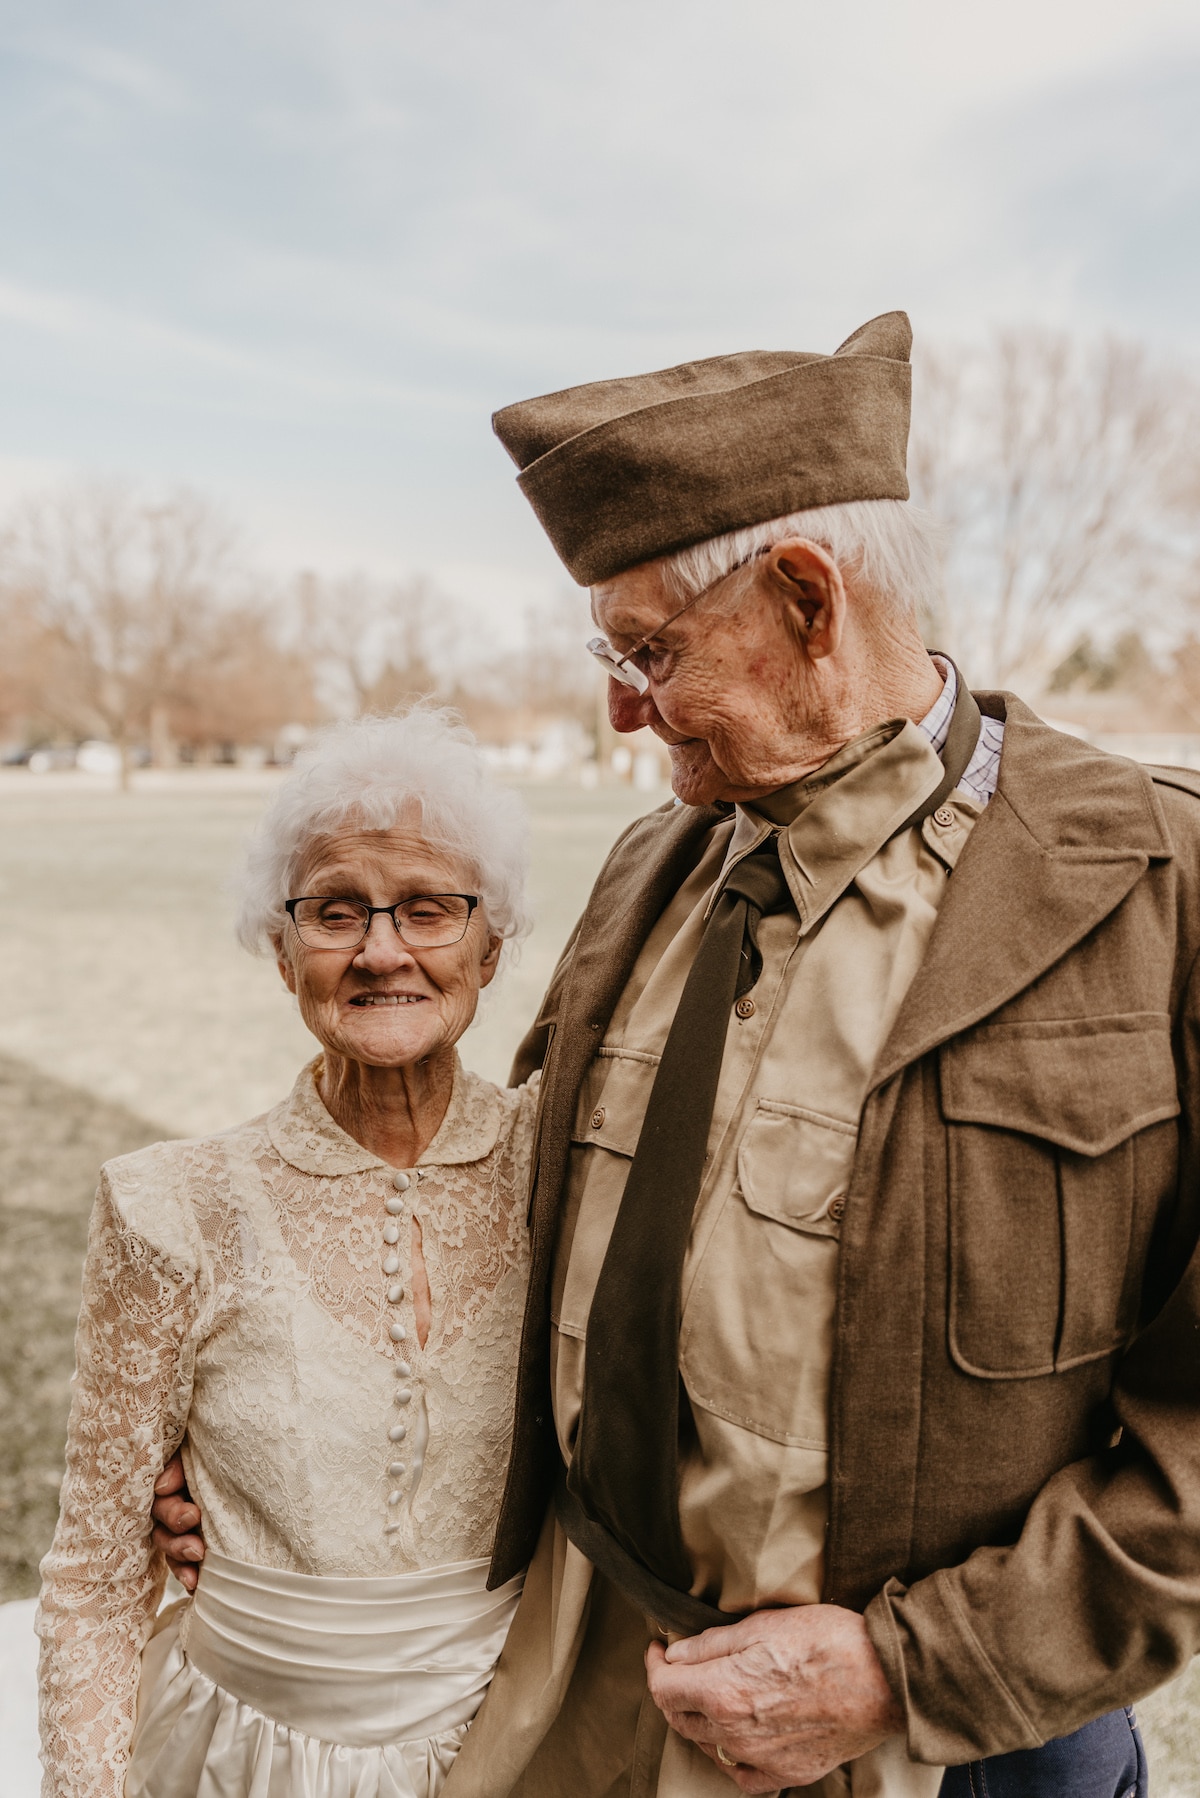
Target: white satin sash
x,y
275,1682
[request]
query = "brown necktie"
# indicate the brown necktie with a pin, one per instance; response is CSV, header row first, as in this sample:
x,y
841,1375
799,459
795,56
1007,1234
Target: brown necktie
x,y
625,1468
623,1481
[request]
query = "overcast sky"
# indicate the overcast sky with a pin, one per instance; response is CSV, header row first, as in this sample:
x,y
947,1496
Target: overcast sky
x,y
295,254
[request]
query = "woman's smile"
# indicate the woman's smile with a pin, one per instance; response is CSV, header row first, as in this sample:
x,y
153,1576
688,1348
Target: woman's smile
x,y
389,998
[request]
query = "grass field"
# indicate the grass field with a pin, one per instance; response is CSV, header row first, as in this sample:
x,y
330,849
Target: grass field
x,y
128,1013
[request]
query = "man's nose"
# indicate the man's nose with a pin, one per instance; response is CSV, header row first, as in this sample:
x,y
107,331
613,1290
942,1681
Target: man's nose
x,y
383,948
628,710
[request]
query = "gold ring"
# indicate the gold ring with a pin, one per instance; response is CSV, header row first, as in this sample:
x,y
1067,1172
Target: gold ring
x,y
723,1757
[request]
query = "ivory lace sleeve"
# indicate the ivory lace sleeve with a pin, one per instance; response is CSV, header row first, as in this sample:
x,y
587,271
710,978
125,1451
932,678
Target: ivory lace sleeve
x,y
102,1579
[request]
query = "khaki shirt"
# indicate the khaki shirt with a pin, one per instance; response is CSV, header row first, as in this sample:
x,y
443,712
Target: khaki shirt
x,y
759,1278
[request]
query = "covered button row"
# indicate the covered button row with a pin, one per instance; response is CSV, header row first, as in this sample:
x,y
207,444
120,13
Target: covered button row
x,y
395,1292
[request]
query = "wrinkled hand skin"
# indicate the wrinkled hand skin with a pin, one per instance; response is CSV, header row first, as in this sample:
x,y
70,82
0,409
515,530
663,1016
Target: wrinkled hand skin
x,y
788,1694
177,1529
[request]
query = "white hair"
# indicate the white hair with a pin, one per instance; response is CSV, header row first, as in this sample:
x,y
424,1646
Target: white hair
x,y
884,546
371,775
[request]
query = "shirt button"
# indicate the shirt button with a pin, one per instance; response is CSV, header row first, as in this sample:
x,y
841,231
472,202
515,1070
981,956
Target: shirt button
x,y
404,1396
391,1232
397,1433
400,1182
395,1293
395,1469
943,816
837,1210
394,1206
597,1117
397,1332
744,1008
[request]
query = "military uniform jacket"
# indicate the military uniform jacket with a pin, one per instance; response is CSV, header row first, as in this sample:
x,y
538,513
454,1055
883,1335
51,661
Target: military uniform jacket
x,y
1015,1398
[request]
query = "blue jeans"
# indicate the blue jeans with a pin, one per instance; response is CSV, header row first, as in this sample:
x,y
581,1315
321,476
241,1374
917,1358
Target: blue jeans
x,y
1104,1759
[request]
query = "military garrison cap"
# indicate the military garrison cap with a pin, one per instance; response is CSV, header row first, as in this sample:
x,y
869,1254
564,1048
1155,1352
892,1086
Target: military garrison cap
x,y
622,471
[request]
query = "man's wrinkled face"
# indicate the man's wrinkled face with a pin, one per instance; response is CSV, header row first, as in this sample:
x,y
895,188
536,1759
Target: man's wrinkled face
x,y
724,678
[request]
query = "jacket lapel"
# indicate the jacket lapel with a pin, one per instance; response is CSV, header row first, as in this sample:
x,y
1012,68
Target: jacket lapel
x,y
1068,833
634,885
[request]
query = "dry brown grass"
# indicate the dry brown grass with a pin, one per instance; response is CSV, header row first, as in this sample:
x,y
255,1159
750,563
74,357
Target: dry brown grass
x,y
52,1139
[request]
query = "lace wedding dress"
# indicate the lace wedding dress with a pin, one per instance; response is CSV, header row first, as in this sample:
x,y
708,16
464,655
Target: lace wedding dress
x,y
248,1296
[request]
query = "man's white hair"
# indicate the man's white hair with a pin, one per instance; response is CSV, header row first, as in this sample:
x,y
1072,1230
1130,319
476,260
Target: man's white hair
x,y
884,547
421,767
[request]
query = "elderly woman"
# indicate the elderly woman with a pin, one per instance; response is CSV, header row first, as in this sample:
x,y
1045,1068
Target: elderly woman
x,y
322,1306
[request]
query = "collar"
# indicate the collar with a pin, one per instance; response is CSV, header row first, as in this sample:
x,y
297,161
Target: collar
x,y
310,1139
847,811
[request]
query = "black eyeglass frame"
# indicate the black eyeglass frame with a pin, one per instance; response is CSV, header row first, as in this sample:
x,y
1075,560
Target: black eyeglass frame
x,y
472,901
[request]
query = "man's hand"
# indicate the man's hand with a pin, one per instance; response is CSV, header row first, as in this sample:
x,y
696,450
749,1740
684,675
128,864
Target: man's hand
x,y
177,1524
788,1695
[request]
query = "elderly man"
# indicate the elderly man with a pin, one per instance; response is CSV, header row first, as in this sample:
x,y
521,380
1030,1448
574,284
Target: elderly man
x,y
861,1350
856,1437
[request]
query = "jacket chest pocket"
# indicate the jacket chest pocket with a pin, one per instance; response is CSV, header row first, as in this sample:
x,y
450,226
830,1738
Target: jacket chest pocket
x,y
1045,1173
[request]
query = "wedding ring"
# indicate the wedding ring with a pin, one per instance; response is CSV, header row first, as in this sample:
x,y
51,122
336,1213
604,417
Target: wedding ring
x,y
723,1757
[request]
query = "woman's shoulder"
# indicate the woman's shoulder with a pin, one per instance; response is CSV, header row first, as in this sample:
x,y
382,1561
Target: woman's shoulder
x,y
501,1114
168,1191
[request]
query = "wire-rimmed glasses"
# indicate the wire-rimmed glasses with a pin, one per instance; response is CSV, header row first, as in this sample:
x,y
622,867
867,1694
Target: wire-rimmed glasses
x,y
426,921
622,667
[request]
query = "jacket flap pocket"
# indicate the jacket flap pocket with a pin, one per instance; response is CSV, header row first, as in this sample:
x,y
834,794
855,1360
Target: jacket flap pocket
x,y
1085,1084
793,1166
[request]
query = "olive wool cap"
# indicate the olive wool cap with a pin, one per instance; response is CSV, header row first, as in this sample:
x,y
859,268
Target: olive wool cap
x,y
622,471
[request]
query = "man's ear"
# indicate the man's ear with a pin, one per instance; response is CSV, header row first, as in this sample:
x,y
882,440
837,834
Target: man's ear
x,y
809,581
490,960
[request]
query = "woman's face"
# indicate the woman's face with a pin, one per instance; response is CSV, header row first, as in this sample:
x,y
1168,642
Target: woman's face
x,y
384,1003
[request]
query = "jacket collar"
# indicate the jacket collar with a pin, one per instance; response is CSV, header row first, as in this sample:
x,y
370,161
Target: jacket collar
x,y
1068,833
308,1137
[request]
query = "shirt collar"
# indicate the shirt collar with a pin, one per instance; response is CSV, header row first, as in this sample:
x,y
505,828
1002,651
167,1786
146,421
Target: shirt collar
x,y
843,814
310,1139
936,722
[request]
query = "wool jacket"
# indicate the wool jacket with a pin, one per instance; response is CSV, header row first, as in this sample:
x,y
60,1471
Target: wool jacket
x,y
1015,1394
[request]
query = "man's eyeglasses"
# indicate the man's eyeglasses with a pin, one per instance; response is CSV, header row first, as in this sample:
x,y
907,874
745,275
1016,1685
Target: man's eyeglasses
x,y
622,667
427,921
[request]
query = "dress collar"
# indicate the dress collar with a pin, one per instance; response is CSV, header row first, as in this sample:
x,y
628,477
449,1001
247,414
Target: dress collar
x,y
308,1138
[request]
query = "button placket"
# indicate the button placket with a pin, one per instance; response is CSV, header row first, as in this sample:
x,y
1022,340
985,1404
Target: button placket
x,y
396,1205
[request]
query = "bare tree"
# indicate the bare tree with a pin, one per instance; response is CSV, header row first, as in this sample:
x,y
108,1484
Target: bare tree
x,y
121,591
248,682
1053,466
376,645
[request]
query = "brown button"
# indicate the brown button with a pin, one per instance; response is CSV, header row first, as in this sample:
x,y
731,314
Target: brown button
x,y
744,1008
597,1117
943,816
837,1210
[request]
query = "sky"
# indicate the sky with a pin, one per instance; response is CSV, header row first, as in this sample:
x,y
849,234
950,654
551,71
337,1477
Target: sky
x,y
294,255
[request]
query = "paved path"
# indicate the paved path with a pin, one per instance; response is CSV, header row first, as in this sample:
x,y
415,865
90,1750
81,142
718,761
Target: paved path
x,y
18,1700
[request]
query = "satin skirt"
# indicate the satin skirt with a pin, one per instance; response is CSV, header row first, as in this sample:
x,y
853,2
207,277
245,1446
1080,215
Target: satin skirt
x,y
282,1685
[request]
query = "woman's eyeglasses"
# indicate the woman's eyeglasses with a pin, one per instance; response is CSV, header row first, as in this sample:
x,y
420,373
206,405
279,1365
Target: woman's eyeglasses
x,y
427,921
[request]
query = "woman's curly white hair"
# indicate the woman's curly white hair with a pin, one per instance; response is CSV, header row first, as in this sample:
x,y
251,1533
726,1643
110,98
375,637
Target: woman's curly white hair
x,y
422,767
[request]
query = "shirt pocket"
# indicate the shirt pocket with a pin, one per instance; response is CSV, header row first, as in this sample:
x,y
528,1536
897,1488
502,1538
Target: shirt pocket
x,y
608,1121
793,1165
758,1316
1051,1151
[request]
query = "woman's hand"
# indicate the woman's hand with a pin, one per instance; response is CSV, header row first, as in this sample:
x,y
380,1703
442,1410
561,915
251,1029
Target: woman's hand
x,y
177,1528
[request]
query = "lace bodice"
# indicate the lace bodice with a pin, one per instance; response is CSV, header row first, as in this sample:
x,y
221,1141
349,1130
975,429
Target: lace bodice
x,y
248,1296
